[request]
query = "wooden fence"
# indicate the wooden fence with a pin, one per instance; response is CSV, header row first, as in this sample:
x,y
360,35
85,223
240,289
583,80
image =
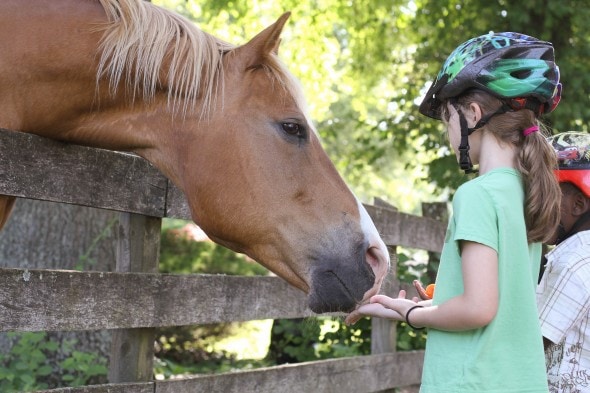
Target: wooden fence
x,y
135,299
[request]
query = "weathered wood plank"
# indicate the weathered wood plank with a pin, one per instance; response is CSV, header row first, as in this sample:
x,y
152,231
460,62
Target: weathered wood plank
x,y
36,300
40,168
145,387
360,374
408,230
356,374
176,204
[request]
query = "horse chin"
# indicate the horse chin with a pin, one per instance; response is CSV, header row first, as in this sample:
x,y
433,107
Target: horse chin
x,y
332,299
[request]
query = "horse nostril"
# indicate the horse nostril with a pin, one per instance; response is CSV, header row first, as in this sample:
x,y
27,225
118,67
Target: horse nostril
x,y
375,258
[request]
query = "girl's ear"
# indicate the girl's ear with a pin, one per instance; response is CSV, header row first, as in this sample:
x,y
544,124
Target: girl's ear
x,y
474,114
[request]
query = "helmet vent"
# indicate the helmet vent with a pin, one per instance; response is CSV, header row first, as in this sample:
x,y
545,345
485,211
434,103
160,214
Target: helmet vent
x,y
548,55
521,74
551,75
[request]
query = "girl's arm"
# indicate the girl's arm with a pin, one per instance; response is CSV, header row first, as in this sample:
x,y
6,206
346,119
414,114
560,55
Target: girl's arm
x,y
475,308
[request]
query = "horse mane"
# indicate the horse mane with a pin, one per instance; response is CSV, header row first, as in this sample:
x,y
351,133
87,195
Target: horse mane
x,y
140,39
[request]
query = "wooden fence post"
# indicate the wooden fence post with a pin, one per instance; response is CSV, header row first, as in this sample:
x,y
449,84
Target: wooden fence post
x,y
440,212
383,331
132,350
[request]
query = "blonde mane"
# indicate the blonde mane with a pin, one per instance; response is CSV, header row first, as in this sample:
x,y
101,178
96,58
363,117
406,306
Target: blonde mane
x,y
141,38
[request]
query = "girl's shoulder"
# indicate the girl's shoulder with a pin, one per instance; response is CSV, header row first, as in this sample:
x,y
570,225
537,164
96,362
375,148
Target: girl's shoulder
x,y
493,185
499,174
496,178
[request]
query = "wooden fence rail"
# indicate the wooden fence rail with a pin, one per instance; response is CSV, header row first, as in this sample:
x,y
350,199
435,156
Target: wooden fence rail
x,y
135,299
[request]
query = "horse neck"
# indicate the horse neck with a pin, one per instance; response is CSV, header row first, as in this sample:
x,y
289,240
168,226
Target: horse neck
x,y
53,92
150,129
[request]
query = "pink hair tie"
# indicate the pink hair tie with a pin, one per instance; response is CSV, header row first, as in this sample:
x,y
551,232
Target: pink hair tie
x,y
530,130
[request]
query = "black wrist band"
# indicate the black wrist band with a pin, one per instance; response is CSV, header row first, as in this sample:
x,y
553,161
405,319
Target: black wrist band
x,y
408,314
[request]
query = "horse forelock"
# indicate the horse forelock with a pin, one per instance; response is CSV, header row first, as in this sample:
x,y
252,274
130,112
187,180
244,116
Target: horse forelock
x,y
140,39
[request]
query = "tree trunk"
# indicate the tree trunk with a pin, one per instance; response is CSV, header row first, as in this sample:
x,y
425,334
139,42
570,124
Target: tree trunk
x,y
46,235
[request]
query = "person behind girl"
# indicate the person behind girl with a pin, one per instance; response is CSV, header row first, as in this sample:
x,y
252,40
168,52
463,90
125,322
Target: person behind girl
x,y
563,295
484,333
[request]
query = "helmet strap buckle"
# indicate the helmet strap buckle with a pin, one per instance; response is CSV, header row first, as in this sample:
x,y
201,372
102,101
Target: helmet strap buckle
x,y
464,159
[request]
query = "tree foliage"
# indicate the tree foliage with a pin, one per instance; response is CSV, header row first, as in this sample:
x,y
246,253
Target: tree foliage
x,y
366,64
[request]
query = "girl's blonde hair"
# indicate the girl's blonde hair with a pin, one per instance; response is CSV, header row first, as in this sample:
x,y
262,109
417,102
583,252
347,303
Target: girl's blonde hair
x,y
536,161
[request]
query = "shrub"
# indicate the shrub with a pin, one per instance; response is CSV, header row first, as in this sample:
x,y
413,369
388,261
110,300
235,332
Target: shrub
x,y
301,340
26,367
181,254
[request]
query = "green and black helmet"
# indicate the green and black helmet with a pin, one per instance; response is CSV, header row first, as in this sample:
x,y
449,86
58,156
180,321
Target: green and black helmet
x,y
514,67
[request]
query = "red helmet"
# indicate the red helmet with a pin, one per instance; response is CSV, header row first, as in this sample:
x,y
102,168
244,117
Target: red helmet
x,y
573,155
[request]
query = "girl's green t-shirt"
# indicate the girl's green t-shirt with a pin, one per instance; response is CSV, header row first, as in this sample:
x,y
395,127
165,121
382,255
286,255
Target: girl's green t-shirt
x,y
506,355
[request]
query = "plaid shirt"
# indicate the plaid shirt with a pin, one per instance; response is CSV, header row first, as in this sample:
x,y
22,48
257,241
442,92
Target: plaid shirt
x,y
563,298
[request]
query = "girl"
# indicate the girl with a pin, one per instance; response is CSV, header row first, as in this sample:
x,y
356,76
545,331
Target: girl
x,y
484,331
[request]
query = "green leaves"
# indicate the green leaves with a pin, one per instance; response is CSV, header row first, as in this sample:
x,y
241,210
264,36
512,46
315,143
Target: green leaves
x,y
79,367
26,366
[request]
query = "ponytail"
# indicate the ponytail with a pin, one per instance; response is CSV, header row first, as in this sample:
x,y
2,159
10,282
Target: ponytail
x,y
536,161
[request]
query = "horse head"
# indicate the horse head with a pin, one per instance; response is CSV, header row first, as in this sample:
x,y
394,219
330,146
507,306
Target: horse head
x,y
259,182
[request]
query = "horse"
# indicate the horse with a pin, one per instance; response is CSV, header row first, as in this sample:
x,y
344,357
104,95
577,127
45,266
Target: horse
x,y
227,124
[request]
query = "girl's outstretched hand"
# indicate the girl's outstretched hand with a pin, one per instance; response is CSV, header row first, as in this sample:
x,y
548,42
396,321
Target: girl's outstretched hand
x,y
378,310
401,305
385,307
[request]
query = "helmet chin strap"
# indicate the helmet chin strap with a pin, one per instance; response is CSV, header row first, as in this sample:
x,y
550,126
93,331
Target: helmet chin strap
x,y
464,159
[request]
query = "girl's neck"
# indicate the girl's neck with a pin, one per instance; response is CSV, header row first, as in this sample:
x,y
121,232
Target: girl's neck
x,y
494,154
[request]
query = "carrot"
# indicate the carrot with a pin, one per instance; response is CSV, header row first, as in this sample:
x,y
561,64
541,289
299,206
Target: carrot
x,y
430,290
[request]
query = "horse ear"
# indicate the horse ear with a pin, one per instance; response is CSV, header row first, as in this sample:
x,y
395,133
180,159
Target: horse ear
x,y
264,43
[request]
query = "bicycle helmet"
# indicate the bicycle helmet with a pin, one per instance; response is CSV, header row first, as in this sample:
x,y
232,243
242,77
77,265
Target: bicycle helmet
x,y
573,157
514,67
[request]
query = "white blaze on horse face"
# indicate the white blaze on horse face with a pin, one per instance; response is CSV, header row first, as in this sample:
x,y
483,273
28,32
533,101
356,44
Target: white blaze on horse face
x,y
377,254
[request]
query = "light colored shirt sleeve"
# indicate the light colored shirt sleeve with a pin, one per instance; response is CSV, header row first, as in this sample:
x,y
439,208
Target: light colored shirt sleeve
x,y
563,300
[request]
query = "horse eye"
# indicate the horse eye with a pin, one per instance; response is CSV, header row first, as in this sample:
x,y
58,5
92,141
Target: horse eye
x,y
294,129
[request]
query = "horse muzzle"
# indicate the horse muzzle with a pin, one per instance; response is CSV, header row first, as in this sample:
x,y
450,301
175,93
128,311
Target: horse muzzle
x,y
340,285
